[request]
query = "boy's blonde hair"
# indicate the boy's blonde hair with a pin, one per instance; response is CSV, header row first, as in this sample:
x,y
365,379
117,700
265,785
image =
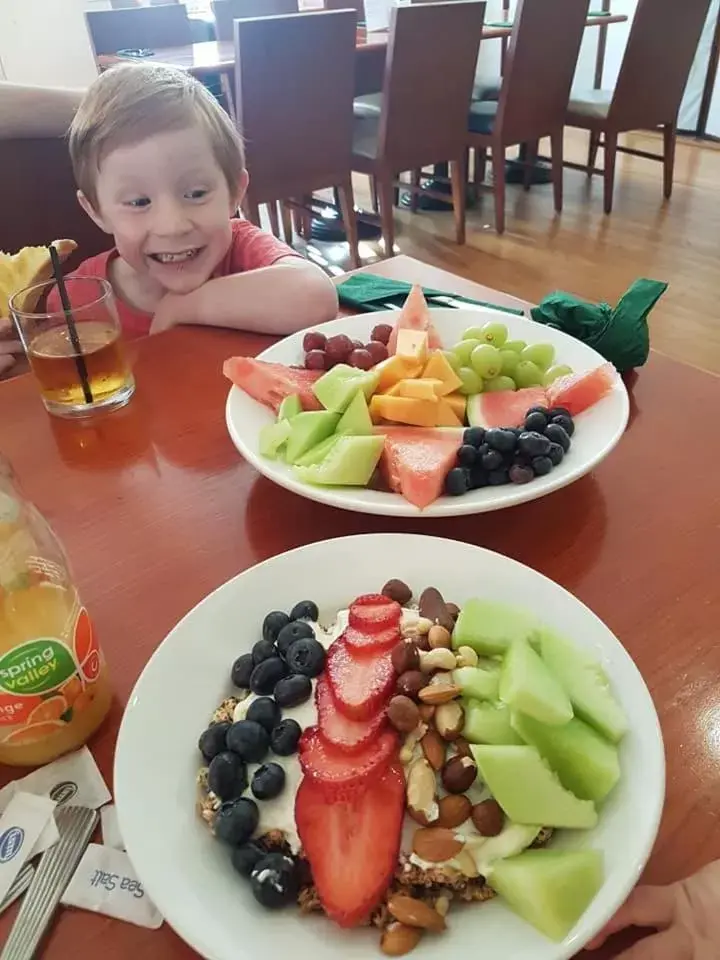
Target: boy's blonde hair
x,y
131,102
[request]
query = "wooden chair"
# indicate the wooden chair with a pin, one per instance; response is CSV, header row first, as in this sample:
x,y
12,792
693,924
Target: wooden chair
x,y
295,79
138,27
421,116
358,5
225,11
539,67
660,50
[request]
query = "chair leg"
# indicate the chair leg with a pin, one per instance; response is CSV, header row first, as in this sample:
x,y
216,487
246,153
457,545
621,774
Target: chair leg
x,y
273,216
251,210
414,196
347,208
593,145
670,139
286,214
531,152
458,182
610,148
556,144
498,166
374,194
385,194
479,169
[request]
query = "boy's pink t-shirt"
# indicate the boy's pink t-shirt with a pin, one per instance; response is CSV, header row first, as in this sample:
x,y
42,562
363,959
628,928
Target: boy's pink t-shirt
x,y
250,249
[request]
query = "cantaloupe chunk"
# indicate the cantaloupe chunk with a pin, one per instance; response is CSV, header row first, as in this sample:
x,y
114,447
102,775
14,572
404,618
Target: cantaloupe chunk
x,y
438,368
412,344
394,369
459,404
420,389
446,416
417,413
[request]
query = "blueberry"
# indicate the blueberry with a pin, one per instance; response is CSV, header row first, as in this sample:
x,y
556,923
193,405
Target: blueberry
x,y
536,409
482,450
492,460
520,474
474,436
466,455
263,650
456,482
536,421
245,857
227,776
241,670
284,738
273,624
212,741
498,438
293,690
497,477
264,711
274,881
541,466
567,423
478,478
266,675
305,610
558,434
558,412
235,822
533,444
555,454
306,656
292,632
248,740
268,781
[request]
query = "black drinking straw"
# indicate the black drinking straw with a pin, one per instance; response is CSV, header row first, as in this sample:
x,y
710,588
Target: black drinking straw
x,y
70,320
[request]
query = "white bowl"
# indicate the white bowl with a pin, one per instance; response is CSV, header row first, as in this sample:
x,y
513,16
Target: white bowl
x,y
598,429
189,875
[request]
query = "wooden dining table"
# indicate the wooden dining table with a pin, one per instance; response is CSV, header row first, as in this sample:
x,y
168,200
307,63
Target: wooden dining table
x,y
156,508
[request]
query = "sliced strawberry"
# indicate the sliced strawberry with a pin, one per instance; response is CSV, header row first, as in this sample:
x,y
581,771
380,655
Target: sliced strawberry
x,y
352,846
374,612
339,731
360,683
341,774
363,641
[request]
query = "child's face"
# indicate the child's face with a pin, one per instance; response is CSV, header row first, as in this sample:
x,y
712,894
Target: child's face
x,y
168,205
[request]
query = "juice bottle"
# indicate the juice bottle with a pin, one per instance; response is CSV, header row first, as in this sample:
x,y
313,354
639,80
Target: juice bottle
x,y
54,687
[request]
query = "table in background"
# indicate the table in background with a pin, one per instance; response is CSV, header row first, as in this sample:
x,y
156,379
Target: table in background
x,y
156,509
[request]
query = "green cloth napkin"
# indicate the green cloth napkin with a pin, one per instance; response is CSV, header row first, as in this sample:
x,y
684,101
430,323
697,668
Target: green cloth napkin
x,y
368,292
620,334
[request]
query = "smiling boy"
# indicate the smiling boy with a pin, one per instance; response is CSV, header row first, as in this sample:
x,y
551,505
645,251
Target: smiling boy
x,y
160,166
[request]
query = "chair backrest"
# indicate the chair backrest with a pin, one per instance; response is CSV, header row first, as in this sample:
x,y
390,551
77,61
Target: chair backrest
x,y
663,39
38,199
225,11
358,5
539,67
138,27
431,58
295,81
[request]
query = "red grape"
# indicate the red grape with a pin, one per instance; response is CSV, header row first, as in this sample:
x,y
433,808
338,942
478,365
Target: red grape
x,y
358,345
361,359
314,341
339,348
377,350
316,360
381,332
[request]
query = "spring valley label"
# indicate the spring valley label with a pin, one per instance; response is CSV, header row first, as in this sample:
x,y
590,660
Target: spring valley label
x,y
36,667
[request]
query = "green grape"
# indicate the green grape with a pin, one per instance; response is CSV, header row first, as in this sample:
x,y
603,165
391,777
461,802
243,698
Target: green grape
x,y
527,374
463,350
510,360
562,370
473,333
495,334
499,383
515,345
541,354
471,382
452,359
486,361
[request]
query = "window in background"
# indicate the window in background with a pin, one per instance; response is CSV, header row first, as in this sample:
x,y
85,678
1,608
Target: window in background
x,y
198,7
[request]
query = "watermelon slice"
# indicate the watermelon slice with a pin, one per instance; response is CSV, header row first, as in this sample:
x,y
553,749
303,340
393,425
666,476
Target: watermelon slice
x,y
270,383
415,316
578,391
506,408
416,461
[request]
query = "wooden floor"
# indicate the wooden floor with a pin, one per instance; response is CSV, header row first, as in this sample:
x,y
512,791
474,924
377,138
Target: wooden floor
x,y
593,255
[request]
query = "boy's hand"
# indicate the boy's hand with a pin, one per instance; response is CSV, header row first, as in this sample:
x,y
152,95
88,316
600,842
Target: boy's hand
x,y
9,347
685,914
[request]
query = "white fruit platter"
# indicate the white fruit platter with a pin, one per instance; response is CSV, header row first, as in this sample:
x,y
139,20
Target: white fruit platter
x,y
295,837
379,441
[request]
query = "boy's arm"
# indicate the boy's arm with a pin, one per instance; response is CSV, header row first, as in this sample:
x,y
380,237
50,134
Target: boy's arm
x,y
290,295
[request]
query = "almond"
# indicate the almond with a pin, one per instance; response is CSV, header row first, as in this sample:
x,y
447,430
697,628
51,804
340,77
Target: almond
x,y
397,939
415,913
454,810
439,693
436,844
488,818
459,774
434,749
449,720
403,714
